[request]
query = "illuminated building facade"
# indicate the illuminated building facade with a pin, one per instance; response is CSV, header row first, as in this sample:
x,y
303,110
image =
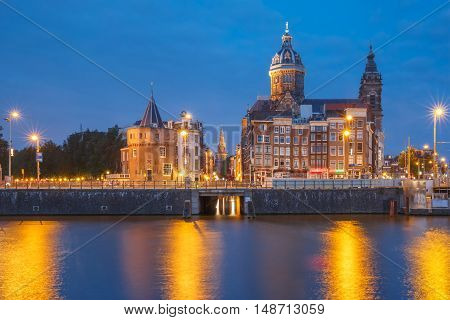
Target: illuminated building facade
x,y
163,151
288,136
221,157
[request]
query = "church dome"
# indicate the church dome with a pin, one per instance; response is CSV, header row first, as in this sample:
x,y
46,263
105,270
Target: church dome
x,y
287,57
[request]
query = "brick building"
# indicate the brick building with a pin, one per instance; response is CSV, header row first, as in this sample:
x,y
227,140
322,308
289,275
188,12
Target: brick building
x,y
287,135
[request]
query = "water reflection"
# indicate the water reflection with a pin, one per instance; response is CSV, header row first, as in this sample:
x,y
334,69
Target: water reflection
x,y
192,261
348,263
429,258
27,261
228,205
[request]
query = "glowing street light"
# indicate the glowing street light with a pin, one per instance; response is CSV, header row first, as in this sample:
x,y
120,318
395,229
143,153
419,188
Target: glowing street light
x,y
13,115
425,147
439,111
34,137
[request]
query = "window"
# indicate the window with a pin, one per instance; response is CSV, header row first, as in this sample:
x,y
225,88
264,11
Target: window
x,y
341,126
360,124
275,151
167,169
281,139
332,136
359,159
296,151
295,140
304,151
258,160
258,149
313,137
262,127
359,135
140,135
288,140
276,140
267,160
288,163
340,165
134,153
300,131
324,137
295,163
281,151
333,125
156,136
332,164
196,151
268,149
324,148
275,163
288,129
340,137
197,164
288,151
260,139
282,130
359,147
162,152
276,129
196,138
332,151
350,160
266,139
304,141
340,151
303,163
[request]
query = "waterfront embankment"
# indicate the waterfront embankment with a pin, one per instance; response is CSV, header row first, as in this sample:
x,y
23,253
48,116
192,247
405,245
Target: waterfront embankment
x,y
172,202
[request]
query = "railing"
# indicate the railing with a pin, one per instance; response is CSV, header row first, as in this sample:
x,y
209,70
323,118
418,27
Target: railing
x,y
221,184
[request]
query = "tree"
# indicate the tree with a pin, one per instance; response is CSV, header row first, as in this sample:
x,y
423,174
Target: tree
x,y
3,155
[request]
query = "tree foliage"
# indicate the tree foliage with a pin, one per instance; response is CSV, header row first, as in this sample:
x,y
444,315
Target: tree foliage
x,y
89,154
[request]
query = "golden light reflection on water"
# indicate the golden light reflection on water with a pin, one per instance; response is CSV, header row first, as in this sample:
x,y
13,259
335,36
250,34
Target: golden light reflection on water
x,y
348,263
429,259
27,257
192,261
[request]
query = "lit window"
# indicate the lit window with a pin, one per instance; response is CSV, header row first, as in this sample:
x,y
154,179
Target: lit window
x,y
162,152
282,130
332,136
167,169
134,153
260,139
275,151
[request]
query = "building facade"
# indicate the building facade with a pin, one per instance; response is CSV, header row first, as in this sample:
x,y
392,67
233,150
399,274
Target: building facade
x,y
288,136
164,151
221,157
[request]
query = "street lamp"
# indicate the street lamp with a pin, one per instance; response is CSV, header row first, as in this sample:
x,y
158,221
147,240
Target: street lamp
x,y
13,115
184,135
439,111
34,137
345,134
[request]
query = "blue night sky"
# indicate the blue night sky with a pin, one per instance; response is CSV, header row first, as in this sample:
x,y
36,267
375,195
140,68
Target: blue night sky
x,y
212,58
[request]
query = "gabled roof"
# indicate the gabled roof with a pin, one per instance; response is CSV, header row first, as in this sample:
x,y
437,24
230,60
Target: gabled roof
x,y
151,117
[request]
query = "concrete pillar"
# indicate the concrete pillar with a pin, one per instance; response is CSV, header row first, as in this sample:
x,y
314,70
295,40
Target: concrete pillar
x,y
195,202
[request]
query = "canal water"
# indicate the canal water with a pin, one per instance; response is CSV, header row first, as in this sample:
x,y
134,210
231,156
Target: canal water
x,y
223,257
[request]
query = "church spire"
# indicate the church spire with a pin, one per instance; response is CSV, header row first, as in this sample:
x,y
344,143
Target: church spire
x,y
151,117
371,66
222,146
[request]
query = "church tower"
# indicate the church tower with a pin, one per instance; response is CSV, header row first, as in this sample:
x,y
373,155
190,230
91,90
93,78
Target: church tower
x,y
370,90
287,72
221,156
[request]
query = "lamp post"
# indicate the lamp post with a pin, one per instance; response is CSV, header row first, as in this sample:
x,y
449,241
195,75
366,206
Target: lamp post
x,y
13,115
184,135
345,134
35,138
439,111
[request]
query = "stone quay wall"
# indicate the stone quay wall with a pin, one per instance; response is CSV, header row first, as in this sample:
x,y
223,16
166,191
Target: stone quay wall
x,y
172,201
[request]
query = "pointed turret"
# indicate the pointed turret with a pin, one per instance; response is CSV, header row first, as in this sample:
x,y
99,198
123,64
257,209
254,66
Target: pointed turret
x,y
222,146
370,90
151,117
